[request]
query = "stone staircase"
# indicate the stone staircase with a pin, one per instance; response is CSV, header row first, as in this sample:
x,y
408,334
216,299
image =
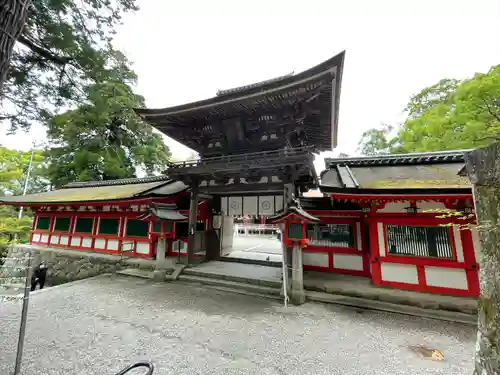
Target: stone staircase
x,y
230,283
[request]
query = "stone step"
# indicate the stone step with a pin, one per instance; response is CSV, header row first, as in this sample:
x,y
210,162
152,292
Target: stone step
x,y
451,316
232,286
226,277
136,272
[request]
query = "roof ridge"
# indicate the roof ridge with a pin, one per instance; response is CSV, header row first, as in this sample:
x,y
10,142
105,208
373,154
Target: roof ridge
x,y
233,90
396,159
121,181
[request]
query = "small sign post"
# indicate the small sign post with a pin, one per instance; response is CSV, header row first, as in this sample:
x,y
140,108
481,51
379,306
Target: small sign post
x,y
127,247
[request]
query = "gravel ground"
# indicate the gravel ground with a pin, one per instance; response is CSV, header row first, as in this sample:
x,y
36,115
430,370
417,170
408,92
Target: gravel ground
x,y
100,325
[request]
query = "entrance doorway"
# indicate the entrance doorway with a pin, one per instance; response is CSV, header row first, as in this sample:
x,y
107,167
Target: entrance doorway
x,y
254,240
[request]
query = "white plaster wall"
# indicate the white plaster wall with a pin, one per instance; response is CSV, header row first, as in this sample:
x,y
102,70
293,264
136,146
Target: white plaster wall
x,y
198,241
250,205
446,277
400,207
87,242
44,238
395,207
112,244
54,239
403,273
227,232
458,244
315,259
425,205
358,236
36,237
142,248
99,243
381,239
64,240
235,206
279,203
223,205
477,244
179,246
75,241
348,262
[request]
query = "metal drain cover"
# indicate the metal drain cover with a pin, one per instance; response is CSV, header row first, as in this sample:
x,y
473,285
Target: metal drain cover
x,y
427,353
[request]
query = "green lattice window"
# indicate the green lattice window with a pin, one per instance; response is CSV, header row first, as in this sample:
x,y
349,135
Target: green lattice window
x,y
295,231
109,226
167,226
332,235
43,223
62,224
84,225
419,241
137,228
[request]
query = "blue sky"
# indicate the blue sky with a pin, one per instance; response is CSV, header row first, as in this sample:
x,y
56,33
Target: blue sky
x,y
186,50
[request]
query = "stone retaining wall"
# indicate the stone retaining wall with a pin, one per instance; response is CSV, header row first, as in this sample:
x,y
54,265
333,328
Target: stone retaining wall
x,y
66,265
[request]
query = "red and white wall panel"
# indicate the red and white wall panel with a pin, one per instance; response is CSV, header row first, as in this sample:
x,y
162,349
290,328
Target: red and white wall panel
x,y
344,260
457,276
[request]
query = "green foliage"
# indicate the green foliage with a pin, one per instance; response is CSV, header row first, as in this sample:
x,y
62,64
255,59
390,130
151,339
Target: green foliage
x,y
103,139
64,48
13,168
449,115
12,229
376,141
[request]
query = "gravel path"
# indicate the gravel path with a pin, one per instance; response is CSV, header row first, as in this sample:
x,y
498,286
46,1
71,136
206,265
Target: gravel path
x,y
100,325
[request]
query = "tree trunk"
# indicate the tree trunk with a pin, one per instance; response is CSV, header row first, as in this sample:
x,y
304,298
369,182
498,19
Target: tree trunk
x,y
13,15
483,167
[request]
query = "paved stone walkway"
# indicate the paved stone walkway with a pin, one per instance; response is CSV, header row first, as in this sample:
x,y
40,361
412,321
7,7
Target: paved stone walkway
x,y
97,326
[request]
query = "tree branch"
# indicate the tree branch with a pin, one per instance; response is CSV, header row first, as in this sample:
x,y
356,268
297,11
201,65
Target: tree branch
x,y
490,111
43,52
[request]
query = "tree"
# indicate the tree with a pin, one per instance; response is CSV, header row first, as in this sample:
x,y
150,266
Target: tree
x,y
483,167
376,141
12,18
449,115
103,139
13,168
65,46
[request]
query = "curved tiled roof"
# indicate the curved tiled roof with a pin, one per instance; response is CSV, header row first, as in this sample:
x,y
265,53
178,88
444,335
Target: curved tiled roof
x,y
438,170
121,181
400,159
253,85
100,191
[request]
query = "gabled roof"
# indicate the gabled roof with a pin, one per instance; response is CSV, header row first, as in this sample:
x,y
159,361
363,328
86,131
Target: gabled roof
x,y
98,191
431,170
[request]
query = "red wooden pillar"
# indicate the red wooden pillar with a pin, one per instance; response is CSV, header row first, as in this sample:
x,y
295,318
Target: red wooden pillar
x,y
375,251
471,263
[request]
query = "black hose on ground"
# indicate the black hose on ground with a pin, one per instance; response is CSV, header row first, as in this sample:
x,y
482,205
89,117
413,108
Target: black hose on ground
x,y
147,365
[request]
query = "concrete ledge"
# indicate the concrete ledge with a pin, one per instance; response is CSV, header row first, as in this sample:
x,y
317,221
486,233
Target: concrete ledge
x,y
358,287
251,261
392,307
144,274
